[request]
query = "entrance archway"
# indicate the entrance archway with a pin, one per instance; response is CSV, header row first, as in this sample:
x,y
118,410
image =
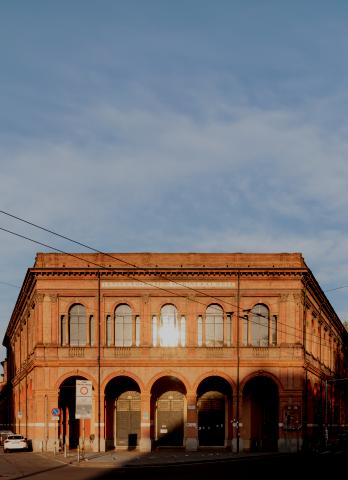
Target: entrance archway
x,y
261,414
168,411
71,431
213,397
122,413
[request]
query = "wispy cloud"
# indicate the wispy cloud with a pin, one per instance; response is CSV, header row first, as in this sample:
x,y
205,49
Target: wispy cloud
x,y
143,129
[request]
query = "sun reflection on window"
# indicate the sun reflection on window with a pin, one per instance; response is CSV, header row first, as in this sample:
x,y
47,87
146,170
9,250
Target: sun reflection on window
x,y
168,331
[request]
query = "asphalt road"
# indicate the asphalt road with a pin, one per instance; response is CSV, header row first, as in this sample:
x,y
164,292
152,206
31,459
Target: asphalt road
x,y
35,466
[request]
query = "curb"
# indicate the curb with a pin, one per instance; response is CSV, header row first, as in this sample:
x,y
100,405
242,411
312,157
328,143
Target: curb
x,y
165,461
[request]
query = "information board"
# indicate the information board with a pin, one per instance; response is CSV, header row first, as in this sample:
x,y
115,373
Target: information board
x,y
83,399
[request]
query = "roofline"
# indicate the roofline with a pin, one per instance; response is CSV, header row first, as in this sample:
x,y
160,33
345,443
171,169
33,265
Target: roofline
x,y
25,291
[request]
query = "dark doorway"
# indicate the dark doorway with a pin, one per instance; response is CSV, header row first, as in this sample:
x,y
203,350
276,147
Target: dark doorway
x,y
211,419
261,400
128,419
214,396
122,413
71,430
170,419
168,406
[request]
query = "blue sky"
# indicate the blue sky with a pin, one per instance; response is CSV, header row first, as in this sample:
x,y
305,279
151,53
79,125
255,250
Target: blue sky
x,y
194,125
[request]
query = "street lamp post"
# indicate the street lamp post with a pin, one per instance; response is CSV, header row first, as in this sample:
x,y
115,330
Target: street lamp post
x,y
327,381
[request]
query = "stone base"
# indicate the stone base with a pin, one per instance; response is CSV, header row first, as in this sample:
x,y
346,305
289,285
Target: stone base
x,y
234,445
145,445
290,445
191,444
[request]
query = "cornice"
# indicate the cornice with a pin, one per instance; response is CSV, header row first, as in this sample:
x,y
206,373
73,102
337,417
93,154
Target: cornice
x,y
169,273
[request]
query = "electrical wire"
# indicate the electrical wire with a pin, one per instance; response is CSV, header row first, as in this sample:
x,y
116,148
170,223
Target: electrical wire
x,y
125,262
109,255
141,281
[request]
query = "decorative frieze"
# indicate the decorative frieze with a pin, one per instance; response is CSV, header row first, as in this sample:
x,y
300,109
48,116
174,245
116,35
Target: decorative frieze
x,y
167,284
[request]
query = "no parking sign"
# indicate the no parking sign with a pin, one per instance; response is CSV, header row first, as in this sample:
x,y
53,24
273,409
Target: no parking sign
x,y
83,399
55,414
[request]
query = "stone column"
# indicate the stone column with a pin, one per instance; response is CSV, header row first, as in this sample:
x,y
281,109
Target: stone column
x,y
191,430
145,423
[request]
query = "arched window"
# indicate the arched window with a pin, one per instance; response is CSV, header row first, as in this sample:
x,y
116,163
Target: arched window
x,y
77,325
214,326
123,326
260,326
169,331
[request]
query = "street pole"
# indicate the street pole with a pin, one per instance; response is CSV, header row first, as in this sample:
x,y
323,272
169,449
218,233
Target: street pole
x,y
238,320
326,431
99,360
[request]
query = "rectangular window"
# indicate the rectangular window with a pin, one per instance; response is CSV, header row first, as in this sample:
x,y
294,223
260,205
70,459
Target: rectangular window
x,y
63,330
154,331
219,332
214,332
262,338
137,331
74,332
118,332
274,330
127,330
228,329
200,331
245,330
91,331
183,331
77,331
108,331
209,331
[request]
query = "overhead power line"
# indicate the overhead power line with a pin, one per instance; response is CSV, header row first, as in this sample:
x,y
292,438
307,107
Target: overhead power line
x,y
9,284
109,268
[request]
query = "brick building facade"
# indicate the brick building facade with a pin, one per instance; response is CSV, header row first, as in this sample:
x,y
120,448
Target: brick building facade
x,y
182,349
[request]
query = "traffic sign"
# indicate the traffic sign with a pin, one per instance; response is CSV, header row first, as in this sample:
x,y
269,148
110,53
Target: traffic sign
x,y
55,412
83,399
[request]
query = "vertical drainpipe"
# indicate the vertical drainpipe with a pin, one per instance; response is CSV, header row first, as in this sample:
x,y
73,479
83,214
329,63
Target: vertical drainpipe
x,y
26,382
321,378
99,350
305,392
19,382
46,422
238,333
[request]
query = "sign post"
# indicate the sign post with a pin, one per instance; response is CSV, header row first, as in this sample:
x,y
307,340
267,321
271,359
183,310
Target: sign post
x,y
83,404
55,417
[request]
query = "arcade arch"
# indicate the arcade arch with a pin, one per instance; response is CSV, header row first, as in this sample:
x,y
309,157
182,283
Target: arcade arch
x,y
214,402
168,411
260,414
122,413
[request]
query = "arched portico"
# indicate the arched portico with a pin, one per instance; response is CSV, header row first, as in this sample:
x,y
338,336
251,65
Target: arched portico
x,y
214,400
260,414
122,413
71,431
168,411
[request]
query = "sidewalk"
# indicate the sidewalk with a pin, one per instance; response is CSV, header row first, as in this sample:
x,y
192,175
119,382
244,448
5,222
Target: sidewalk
x,y
131,459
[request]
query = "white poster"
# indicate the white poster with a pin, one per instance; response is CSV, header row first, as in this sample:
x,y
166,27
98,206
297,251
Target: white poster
x,y
83,399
